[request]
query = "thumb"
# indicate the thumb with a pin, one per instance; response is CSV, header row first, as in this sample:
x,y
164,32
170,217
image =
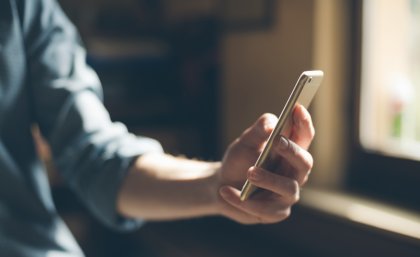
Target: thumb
x,y
256,135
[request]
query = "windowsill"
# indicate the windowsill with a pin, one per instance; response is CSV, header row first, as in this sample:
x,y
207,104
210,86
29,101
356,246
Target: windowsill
x,y
324,223
356,209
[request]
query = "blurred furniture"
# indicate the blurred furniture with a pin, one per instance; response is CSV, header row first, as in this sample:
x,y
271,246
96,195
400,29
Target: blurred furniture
x,y
159,68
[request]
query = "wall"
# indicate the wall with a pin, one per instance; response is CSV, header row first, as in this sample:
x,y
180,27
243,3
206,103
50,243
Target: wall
x,y
332,54
261,67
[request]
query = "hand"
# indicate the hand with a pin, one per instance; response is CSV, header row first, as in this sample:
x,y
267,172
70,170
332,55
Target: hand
x,y
281,183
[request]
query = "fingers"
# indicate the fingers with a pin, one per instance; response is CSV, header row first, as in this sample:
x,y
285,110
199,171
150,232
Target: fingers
x,y
272,205
256,135
285,187
300,161
303,129
302,134
289,158
251,211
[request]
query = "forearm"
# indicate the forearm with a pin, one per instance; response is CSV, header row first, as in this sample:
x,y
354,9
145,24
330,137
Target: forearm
x,y
160,187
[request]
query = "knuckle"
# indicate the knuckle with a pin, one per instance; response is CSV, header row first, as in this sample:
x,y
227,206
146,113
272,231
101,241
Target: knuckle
x,y
293,148
295,197
287,213
308,162
266,117
266,120
307,120
292,191
305,179
263,126
293,188
295,194
312,131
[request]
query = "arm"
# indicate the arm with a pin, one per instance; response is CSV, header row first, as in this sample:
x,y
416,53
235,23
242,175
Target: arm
x,y
159,186
91,153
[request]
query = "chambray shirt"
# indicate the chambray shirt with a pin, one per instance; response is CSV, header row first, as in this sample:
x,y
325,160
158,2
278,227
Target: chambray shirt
x,y
44,80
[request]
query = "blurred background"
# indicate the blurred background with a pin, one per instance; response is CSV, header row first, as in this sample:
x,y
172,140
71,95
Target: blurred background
x,y
195,74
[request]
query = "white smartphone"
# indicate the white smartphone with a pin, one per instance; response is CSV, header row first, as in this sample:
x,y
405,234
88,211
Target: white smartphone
x,y
302,93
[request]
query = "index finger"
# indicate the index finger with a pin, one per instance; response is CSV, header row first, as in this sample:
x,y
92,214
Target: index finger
x,y
256,135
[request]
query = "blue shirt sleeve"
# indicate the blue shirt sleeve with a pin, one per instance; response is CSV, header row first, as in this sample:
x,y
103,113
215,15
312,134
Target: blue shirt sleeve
x,y
92,153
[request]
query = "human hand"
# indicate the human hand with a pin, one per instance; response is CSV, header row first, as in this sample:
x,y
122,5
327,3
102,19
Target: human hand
x,y
281,183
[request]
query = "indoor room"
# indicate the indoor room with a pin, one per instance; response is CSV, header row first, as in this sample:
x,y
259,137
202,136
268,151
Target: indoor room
x,y
195,74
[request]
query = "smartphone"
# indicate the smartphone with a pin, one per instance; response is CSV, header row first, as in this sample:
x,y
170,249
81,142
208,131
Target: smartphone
x,y
302,93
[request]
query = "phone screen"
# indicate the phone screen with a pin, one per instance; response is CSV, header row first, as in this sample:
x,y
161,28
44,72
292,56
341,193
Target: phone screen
x,y
302,93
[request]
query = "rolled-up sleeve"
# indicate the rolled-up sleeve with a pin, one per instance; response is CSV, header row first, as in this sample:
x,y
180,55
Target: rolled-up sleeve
x,y
92,153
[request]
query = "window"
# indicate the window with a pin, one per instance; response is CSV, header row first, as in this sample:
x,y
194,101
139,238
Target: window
x,y
390,78
386,150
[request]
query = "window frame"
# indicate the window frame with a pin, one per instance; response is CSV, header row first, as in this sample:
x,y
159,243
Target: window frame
x,y
372,173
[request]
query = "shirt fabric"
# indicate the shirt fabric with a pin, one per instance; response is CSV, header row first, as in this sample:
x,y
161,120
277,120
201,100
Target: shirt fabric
x,y
44,80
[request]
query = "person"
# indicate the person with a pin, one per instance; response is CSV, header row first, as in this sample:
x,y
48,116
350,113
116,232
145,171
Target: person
x,y
123,179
